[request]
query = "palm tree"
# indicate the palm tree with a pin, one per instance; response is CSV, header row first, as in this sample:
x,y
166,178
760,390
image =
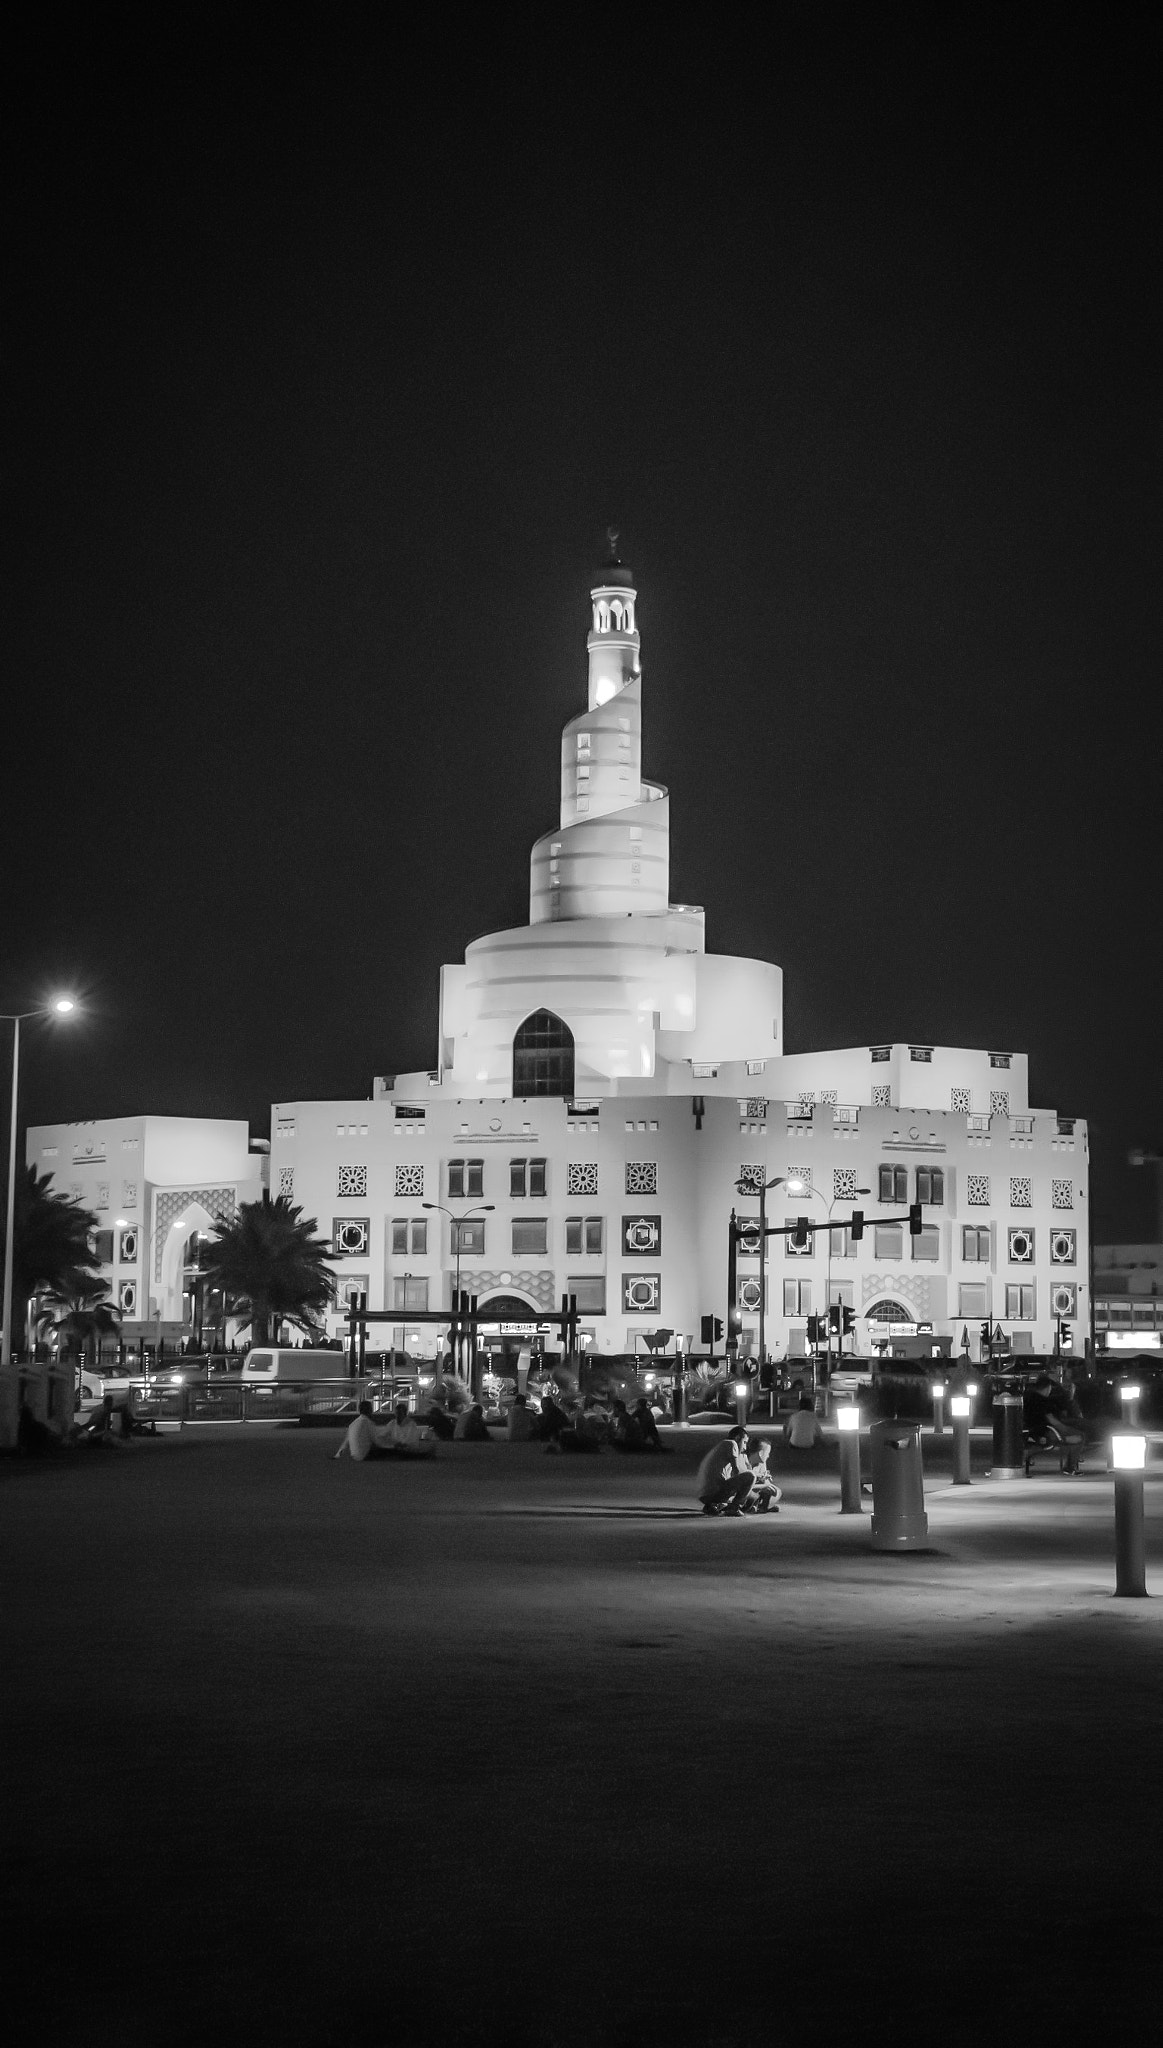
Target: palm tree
x,y
51,1243
271,1266
78,1317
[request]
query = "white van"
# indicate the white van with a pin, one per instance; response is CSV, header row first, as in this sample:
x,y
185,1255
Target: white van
x,y
266,1363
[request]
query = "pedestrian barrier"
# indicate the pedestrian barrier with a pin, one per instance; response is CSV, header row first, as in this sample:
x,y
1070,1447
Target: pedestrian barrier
x,y
154,1402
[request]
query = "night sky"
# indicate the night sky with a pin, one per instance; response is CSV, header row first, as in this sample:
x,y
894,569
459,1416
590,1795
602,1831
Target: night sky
x,y
326,367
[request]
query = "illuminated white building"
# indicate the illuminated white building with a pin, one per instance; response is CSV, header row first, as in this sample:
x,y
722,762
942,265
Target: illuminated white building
x,y
603,1083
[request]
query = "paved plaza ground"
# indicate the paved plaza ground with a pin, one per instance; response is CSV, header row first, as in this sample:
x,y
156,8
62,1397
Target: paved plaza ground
x,y
518,1751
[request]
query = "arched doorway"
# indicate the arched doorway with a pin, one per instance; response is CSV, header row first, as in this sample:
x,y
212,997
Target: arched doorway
x,y
543,1056
508,1326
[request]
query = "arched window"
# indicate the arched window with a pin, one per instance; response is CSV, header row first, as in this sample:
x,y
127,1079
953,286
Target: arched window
x,y
603,616
616,613
543,1056
629,615
889,1312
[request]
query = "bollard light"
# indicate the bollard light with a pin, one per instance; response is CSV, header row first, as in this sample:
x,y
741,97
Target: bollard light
x,y
848,1424
960,1406
1128,1457
1129,1394
1128,1453
741,1390
972,1389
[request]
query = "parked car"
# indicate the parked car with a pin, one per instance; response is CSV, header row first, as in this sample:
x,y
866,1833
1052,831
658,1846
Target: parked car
x,y
112,1379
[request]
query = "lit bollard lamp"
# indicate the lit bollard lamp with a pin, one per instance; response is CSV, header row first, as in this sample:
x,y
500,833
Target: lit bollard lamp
x,y
742,1398
1128,1457
1129,1397
961,1406
939,1407
848,1424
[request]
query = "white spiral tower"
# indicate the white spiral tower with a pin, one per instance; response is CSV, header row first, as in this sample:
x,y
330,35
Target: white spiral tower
x,y
607,966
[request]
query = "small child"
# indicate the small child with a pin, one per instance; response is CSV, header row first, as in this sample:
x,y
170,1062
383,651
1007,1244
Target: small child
x,y
765,1495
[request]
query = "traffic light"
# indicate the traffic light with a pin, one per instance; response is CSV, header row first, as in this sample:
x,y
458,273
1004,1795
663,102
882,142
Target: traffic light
x,y
716,1330
986,1336
834,1316
916,1221
849,1323
1065,1336
707,1330
856,1227
800,1233
814,1330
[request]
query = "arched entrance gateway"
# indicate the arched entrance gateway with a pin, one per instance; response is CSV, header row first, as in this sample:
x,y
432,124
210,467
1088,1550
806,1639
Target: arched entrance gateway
x,y
508,1326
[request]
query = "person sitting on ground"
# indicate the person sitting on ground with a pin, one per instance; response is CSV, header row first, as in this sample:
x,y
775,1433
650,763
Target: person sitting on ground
x,y
725,1476
802,1428
520,1423
553,1418
765,1495
361,1440
99,1427
643,1414
470,1426
403,1437
439,1421
625,1434
587,1432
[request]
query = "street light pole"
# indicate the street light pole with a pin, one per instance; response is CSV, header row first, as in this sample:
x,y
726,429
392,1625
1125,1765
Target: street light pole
x,y
61,1008
482,1209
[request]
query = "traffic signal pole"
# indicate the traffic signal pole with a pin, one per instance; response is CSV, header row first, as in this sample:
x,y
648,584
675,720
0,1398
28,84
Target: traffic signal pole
x,y
798,1230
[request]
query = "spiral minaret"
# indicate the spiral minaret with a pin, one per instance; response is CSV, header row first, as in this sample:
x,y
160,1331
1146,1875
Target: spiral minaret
x,y
607,966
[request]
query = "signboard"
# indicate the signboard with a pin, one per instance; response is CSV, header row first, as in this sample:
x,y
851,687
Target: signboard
x,y
582,1108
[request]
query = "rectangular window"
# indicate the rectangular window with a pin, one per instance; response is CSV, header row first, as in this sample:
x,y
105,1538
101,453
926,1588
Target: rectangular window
x,y
526,1177
103,1246
931,1185
530,1234
399,1237
842,1291
583,1234
887,1240
928,1244
409,1235
472,1236
517,1178
590,1289
893,1183
420,1235
797,1297
474,1177
842,1245
537,1177
973,1299
975,1245
1020,1302
409,1294
456,1179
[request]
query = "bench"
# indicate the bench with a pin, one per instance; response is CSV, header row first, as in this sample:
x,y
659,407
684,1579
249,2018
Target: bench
x,y
1067,1456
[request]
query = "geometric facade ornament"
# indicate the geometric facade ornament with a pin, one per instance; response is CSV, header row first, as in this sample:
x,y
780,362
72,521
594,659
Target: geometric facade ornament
x,y
581,1178
1063,1247
1021,1247
641,1177
642,1236
1062,1194
1020,1191
409,1180
351,1183
641,1294
1064,1298
350,1237
977,1190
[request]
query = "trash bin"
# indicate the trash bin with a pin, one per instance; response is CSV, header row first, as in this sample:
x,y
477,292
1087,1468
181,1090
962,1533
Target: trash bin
x,y
1009,1458
899,1521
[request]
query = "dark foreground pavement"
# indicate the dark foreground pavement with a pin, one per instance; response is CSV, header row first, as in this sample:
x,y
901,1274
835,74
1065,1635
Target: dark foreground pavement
x,y
510,1749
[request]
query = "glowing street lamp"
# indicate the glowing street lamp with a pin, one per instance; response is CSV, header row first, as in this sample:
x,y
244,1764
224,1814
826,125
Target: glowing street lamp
x,y
938,1407
742,1394
848,1424
961,1406
60,1006
1128,1457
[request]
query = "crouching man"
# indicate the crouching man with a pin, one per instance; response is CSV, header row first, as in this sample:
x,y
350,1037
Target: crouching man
x,y
725,1475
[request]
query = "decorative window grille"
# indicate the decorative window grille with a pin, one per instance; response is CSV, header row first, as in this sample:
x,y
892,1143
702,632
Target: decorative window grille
x,y
882,1096
641,1293
802,1173
999,1101
351,1181
961,1100
129,1193
350,1237
1062,1194
754,1108
807,1102
287,1183
977,1190
751,1176
843,1183
1020,1192
409,1180
641,1176
828,1096
582,1178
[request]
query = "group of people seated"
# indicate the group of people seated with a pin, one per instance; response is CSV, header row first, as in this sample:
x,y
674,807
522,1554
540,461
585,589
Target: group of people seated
x,y
734,1478
1051,1416
584,1425
401,1437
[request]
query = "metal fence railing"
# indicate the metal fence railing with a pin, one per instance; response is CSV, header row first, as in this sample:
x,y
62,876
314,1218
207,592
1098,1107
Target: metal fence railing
x,y
157,1401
